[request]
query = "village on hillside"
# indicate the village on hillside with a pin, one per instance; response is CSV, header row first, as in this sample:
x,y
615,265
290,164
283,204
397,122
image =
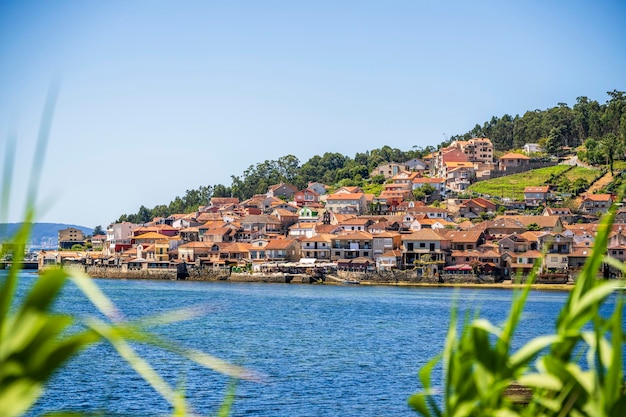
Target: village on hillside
x,y
425,221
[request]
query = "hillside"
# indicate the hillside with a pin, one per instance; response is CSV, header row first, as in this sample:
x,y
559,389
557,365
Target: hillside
x,y
44,235
569,179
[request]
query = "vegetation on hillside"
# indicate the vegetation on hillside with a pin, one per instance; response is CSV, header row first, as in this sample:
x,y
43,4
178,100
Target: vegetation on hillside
x,y
512,186
598,129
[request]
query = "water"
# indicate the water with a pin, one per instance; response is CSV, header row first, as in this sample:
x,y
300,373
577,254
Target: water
x,y
323,350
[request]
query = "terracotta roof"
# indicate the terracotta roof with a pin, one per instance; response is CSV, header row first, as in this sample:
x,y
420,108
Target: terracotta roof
x,y
598,197
579,252
428,180
322,237
355,235
153,235
459,236
392,254
204,245
460,164
513,155
325,228
541,221
237,247
387,234
260,218
424,234
279,244
345,196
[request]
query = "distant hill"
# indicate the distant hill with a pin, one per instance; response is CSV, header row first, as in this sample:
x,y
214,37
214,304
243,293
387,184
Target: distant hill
x,y
44,235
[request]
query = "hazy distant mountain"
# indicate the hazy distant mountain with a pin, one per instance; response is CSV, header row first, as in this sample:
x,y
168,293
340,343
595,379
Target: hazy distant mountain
x,y
44,235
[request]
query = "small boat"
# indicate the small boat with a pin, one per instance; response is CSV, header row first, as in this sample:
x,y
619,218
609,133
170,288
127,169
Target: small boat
x,y
351,281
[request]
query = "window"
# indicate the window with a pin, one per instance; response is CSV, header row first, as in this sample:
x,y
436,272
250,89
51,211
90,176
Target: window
x,y
422,245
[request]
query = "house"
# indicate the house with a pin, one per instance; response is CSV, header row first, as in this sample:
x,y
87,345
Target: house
x,y
389,260
162,229
388,169
439,184
447,156
344,203
282,191
463,240
458,175
464,257
255,226
595,203
474,207
192,251
519,263
118,237
189,234
476,149
537,196
97,242
213,231
286,217
274,250
543,223
416,165
514,243
219,202
531,148
385,242
352,245
356,224
405,177
557,248
317,247
162,243
306,229
425,245
513,160
286,250
69,237
430,211
306,197
318,187
565,213
235,253
500,227
308,214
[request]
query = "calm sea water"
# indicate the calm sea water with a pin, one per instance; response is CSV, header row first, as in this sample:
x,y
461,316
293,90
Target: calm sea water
x,y
323,350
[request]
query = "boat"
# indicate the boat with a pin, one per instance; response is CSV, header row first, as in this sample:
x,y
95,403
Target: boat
x,y
351,281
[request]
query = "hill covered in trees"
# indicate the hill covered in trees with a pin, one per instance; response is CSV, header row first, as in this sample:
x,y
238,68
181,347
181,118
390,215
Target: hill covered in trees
x,y
598,129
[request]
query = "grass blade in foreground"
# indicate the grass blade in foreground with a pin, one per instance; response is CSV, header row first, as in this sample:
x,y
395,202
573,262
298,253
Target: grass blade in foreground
x,y
477,373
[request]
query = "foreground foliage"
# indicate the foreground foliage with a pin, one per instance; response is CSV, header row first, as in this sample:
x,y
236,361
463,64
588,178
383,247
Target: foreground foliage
x,y
36,340
576,371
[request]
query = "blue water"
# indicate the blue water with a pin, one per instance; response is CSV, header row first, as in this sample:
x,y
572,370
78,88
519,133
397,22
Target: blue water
x,y
323,350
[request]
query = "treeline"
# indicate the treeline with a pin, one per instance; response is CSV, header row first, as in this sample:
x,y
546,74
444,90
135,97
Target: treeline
x,y
330,168
557,127
601,127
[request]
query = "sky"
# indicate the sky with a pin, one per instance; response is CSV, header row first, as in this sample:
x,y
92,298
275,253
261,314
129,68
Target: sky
x,y
158,97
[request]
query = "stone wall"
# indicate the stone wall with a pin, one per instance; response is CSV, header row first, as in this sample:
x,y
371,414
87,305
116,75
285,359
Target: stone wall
x,y
115,272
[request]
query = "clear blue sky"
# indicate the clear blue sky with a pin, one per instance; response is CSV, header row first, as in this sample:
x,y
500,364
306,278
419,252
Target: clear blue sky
x,y
158,97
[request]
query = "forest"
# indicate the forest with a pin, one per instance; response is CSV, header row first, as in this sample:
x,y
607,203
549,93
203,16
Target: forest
x,y
597,131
